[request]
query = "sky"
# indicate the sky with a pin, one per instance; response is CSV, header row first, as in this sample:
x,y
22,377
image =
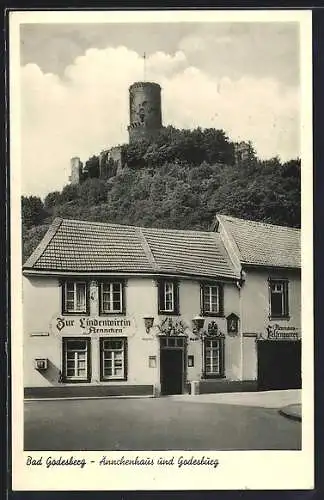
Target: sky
x,y
243,78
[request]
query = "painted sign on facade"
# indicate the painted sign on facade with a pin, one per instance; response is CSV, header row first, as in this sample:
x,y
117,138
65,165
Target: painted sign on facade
x,y
277,332
92,325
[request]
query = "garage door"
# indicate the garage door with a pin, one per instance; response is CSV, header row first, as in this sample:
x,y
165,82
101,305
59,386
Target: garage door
x,y
279,365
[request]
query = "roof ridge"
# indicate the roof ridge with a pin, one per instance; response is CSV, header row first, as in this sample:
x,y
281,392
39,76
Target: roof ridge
x,y
112,224
195,231
229,242
42,245
260,223
147,249
97,223
226,253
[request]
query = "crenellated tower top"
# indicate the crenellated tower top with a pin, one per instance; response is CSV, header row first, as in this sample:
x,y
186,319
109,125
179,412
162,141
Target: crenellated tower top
x,y
145,115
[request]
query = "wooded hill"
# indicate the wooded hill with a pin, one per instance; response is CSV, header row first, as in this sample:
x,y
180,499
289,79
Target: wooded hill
x,y
180,181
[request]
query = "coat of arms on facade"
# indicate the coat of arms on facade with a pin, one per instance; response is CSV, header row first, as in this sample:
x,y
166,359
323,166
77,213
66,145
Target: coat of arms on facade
x,y
212,329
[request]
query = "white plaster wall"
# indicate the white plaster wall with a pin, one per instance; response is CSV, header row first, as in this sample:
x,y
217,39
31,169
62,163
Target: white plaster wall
x,y
41,299
250,359
255,300
255,310
42,305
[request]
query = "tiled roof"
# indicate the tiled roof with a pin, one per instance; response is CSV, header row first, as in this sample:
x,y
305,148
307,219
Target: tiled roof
x,y
264,244
71,245
192,252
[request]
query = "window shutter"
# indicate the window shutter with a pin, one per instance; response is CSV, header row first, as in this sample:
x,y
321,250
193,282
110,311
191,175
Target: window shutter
x,y
204,373
125,345
101,362
160,296
285,291
89,358
63,297
87,296
221,299
202,304
123,296
222,357
176,297
100,297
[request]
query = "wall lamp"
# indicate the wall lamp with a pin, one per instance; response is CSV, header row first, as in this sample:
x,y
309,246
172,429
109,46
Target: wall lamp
x,y
148,322
198,323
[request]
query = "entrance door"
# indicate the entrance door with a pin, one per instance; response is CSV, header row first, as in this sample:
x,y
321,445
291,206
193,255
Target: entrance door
x,y
172,355
171,371
279,365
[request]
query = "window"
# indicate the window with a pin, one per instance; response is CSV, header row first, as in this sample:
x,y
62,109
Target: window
x,y
75,298
168,297
278,298
113,358
177,342
111,297
214,358
211,299
76,360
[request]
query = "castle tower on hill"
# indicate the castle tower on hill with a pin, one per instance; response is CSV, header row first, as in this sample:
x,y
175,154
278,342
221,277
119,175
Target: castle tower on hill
x,y
145,115
76,170
145,121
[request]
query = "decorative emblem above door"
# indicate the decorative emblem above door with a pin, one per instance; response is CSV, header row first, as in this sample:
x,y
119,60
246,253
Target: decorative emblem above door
x,y
173,326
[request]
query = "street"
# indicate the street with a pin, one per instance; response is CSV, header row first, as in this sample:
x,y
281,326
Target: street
x,y
155,424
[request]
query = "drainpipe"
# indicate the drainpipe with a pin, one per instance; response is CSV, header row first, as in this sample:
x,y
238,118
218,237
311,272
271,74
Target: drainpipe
x,y
241,335
239,284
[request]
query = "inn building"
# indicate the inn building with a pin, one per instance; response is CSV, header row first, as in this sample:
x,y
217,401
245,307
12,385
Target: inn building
x,y
121,310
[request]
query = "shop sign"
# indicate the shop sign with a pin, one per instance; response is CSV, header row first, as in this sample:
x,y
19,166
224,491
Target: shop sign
x,y
278,332
92,325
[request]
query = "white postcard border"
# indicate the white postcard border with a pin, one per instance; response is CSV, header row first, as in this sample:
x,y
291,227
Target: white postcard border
x,y
236,470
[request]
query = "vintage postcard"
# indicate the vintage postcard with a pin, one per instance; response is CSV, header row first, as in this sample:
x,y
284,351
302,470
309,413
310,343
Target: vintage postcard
x,y
161,250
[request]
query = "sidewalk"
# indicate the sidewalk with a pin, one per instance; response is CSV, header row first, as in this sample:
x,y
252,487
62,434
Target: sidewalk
x,y
292,411
287,401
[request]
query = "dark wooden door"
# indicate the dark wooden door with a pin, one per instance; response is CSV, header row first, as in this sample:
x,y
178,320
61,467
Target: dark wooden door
x,y
279,365
171,371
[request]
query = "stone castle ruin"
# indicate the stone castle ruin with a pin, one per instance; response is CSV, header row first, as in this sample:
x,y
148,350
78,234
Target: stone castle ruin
x,y
145,122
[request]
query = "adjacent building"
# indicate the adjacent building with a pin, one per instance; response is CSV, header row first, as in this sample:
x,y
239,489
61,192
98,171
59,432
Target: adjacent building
x,y
114,310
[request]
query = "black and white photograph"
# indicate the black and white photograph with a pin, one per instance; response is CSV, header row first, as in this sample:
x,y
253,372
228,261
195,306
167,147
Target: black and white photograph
x,y
161,190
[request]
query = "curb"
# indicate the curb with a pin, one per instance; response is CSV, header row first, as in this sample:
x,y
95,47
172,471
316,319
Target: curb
x,y
292,416
76,398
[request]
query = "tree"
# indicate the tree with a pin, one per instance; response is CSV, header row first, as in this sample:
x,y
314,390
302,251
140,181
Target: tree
x,y
91,167
52,199
70,192
134,153
31,238
179,180
93,191
32,211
